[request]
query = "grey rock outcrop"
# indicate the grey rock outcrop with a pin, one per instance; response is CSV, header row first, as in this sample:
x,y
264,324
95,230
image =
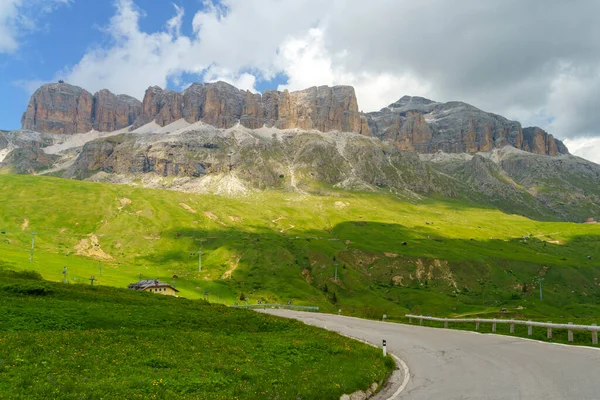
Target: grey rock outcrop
x,y
425,126
287,161
23,151
562,187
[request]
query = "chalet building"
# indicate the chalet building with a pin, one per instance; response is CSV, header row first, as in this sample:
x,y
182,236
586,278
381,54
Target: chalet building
x,y
154,286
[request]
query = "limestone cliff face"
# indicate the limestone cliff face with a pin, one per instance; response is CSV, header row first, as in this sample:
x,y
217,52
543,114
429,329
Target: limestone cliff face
x,y
59,108
538,141
164,106
411,123
111,112
425,126
67,109
223,106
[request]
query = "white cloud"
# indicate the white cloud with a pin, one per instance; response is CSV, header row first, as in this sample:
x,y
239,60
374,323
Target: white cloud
x,y
307,63
245,81
574,101
246,34
174,24
8,25
588,148
19,17
136,59
536,61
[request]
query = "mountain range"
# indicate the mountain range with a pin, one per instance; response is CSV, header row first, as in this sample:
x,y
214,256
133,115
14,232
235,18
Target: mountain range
x,y
213,137
411,123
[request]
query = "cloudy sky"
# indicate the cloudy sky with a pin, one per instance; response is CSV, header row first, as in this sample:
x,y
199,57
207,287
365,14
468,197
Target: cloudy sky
x,y
536,61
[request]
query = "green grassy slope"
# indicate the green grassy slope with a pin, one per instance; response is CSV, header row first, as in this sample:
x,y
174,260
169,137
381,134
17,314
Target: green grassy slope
x,y
278,246
78,342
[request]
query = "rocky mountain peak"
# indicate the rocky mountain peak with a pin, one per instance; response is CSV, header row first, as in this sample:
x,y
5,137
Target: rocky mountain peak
x,y
411,101
59,108
222,105
426,126
538,141
411,123
68,109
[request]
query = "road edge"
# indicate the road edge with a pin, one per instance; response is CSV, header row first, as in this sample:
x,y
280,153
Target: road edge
x,y
382,393
393,377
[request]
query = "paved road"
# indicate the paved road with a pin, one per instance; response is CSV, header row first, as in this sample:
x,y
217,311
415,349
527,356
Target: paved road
x,y
449,364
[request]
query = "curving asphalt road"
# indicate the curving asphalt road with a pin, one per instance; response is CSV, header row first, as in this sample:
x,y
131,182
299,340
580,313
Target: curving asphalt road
x,y
450,364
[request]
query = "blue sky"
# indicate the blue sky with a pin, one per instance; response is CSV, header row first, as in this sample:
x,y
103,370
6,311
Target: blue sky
x,y
61,37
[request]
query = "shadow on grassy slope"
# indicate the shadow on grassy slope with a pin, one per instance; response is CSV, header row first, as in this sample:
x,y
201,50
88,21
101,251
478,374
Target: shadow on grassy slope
x,y
377,274
281,246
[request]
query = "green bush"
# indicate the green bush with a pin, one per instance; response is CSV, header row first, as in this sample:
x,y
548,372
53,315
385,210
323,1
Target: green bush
x,y
29,275
30,289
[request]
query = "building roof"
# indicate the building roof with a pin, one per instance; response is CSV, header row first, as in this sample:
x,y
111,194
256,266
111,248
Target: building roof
x,y
149,283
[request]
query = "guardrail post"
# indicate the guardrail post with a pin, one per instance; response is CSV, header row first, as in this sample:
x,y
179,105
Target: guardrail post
x,y
594,336
494,326
549,331
410,320
477,324
512,326
420,321
529,328
446,323
570,333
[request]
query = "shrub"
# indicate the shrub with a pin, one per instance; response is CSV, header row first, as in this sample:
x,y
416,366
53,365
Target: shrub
x,y
31,275
29,288
334,298
158,363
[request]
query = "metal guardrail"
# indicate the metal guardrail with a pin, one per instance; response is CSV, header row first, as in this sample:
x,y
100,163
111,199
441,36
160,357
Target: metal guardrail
x,y
284,306
570,327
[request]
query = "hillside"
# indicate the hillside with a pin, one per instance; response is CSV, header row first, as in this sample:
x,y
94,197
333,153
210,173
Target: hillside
x,y
203,159
279,246
213,138
73,342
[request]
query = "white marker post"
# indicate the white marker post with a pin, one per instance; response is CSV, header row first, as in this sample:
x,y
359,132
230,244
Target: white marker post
x,y
384,349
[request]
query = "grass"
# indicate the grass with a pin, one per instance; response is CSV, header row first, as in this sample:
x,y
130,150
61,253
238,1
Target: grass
x,y
274,246
79,342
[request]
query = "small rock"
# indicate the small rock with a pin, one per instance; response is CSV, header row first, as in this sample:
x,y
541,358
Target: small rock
x,y
360,395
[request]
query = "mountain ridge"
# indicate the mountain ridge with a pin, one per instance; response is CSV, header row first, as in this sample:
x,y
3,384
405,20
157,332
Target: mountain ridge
x,y
426,126
214,138
238,161
411,123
